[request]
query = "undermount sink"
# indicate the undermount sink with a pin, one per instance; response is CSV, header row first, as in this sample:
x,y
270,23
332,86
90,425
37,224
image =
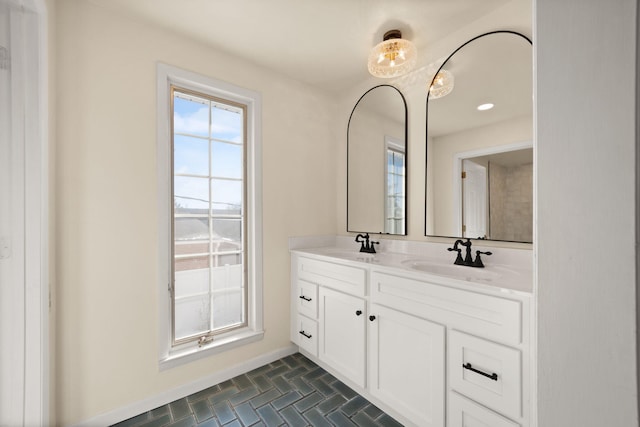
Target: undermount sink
x,y
355,255
452,270
351,255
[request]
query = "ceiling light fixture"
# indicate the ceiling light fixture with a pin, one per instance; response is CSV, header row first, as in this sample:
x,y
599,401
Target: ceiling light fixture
x,y
393,57
441,85
485,107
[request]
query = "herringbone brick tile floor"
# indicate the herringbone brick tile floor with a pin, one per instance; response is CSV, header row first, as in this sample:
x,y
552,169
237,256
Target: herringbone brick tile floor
x,y
292,391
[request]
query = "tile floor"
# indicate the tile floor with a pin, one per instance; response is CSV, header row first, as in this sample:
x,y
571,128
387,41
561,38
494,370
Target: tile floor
x,y
292,391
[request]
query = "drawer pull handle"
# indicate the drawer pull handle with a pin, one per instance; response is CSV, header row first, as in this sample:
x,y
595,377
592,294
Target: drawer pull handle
x,y
468,366
358,312
305,335
372,318
305,298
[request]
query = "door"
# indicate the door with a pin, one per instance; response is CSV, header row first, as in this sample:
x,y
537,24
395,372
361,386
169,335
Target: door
x,y
406,364
342,334
474,199
24,307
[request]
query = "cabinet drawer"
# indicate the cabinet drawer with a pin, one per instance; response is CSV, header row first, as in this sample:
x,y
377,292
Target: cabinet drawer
x,y
307,334
483,315
307,299
337,276
471,357
463,412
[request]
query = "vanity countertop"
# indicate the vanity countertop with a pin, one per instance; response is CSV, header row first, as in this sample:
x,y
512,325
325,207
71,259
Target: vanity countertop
x,y
502,277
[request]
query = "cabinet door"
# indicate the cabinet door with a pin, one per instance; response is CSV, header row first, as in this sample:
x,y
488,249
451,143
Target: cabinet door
x,y
406,365
342,334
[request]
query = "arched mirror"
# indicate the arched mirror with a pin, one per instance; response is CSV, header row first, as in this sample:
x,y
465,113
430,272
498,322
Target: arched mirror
x,y
376,163
479,181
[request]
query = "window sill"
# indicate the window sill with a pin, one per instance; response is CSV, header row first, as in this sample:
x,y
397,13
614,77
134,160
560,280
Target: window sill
x,y
182,356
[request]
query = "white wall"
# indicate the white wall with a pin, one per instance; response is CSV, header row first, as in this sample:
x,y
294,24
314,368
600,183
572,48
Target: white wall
x,y
586,210
105,191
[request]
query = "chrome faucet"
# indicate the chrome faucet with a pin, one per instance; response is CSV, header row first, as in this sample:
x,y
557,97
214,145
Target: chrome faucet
x,y
366,245
468,260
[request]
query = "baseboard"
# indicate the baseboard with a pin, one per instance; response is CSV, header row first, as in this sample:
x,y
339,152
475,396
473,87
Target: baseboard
x,y
152,402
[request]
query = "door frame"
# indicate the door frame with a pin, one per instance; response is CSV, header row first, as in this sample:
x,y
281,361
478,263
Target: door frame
x,y
465,208
29,328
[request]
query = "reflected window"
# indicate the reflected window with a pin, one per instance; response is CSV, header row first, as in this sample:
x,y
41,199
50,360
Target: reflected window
x,y
394,188
209,295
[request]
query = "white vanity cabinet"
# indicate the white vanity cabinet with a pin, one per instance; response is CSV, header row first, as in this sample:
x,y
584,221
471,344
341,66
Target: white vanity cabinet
x,y
430,351
487,351
336,313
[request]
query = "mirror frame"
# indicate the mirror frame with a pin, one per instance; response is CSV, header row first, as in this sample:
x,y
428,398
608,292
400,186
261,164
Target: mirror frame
x,y
427,129
406,166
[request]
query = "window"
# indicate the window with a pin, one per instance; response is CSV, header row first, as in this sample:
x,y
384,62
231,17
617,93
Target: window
x,y
208,291
210,255
394,186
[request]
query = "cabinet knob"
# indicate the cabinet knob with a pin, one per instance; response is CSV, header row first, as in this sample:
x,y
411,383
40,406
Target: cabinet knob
x,y
305,298
358,312
372,318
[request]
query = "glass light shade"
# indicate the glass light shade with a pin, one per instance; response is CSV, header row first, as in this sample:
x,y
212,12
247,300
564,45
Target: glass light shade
x,y
392,58
442,84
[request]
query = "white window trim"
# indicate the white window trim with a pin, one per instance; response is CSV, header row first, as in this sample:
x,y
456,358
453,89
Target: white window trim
x,y
168,75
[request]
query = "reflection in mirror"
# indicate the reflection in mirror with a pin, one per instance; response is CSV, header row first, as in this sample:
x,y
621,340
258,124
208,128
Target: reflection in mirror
x,y
496,193
376,163
480,162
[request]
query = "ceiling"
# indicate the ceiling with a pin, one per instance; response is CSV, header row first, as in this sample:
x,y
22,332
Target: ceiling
x,y
324,43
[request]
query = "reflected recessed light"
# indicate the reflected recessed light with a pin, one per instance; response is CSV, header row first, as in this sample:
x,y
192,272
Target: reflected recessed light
x,y
485,107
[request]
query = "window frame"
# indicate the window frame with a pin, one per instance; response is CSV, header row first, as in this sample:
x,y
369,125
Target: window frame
x,y
211,333
170,354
